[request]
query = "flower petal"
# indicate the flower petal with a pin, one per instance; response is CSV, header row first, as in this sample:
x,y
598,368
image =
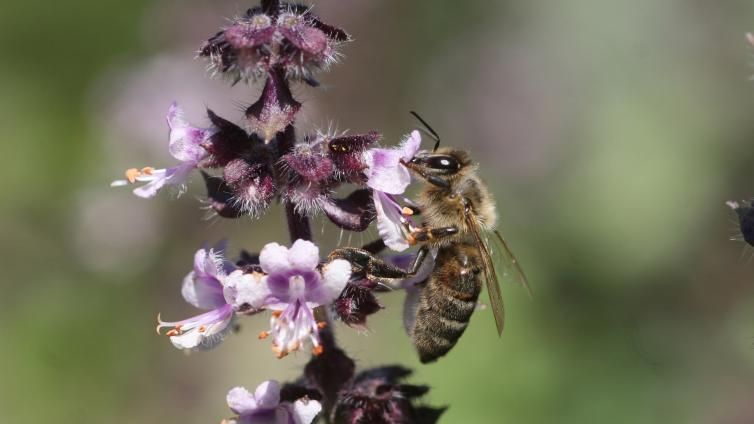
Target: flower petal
x,y
389,222
240,289
203,331
304,411
177,175
187,341
410,145
303,255
385,171
159,177
335,277
241,401
202,292
274,258
267,394
185,140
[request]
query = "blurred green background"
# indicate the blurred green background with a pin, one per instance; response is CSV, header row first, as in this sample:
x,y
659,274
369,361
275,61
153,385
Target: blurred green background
x,y
612,133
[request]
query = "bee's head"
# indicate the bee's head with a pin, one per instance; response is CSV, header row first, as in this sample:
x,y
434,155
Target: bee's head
x,y
440,165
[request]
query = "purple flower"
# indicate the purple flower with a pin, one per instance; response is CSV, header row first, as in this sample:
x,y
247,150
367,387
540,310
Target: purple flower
x,y
291,287
203,288
264,406
186,145
388,177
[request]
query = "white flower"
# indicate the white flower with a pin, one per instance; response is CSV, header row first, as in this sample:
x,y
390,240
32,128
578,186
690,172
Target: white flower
x,y
293,285
264,406
203,288
185,145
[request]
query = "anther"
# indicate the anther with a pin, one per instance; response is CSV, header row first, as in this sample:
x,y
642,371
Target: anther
x,y
202,329
277,314
132,174
318,350
321,325
173,332
263,335
407,211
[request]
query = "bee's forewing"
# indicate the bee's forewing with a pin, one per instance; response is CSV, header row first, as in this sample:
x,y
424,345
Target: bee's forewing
x,y
490,276
511,268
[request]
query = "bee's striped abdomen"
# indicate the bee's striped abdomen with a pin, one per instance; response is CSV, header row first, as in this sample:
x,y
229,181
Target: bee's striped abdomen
x,y
446,302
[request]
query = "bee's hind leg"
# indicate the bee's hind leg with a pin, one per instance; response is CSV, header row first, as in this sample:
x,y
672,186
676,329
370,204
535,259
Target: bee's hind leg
x,y
366,265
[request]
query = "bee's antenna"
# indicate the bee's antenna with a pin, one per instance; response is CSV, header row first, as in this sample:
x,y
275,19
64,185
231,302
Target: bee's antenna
x,y
428,129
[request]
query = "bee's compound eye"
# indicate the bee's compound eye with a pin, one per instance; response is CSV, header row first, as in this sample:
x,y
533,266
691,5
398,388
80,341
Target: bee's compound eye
x,y
443,162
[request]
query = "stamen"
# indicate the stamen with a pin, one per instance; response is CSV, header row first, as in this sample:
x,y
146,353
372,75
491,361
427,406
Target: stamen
x,y
279,352
318,350
407,211
132,174
263,335
277,314
202,329
173,332
147,170
321,325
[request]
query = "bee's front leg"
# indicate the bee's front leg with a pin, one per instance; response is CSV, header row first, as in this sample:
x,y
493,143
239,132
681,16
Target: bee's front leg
x,y
423,234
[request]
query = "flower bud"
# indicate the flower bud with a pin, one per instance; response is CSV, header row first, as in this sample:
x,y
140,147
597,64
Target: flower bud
x,y
346,153
308,163
289,38
275,109
229,142
251,182
377,396
354,304
220,198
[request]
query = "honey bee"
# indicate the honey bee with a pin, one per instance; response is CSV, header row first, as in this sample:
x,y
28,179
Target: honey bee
x,y
458,211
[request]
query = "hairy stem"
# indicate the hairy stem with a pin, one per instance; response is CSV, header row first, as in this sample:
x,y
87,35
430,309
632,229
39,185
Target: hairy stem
x,y
271,7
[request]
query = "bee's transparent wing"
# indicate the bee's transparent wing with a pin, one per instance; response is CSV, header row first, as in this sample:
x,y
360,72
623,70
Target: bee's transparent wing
x,y
507,262
490,276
